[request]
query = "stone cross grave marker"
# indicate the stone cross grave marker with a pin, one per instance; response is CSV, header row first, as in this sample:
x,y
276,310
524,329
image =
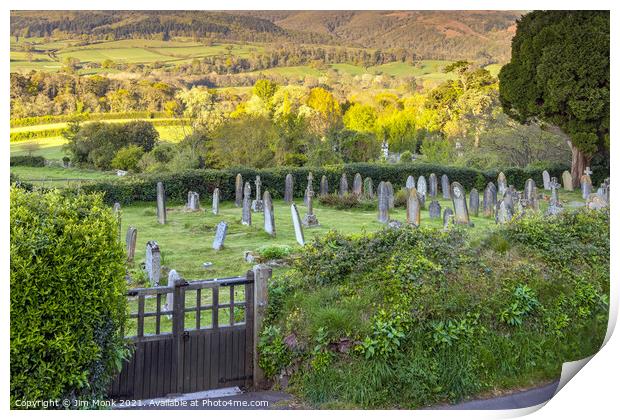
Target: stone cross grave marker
x,y
555,207
474,202
130,243
434,209
299,232
215,204
445,187
586,183
384,205
270,222
161,204
461,215
238,190
310,219
344,185
246,214
257,204
288,188
413,207
220,235
153,263
432,185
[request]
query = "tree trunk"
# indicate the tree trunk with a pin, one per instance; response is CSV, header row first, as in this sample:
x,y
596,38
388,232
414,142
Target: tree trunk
x,y
578,165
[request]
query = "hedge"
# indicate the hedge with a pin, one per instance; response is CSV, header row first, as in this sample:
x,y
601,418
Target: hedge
x,y
49,119
204,181
68,299
36,134
33,161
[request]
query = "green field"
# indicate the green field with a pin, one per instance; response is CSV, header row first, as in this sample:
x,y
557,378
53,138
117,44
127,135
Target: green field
x,y
57,176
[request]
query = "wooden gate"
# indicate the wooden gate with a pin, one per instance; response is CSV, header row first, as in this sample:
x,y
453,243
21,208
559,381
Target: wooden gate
x,y
204,341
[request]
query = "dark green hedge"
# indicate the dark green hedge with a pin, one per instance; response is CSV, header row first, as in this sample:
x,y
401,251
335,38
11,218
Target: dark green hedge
x,y
36,161
50,119
204,181
37,134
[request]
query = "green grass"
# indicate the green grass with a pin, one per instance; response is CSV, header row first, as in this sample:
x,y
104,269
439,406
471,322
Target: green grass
x,y
52,173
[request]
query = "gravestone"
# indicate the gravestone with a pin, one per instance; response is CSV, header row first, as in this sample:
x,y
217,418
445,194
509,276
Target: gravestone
x,y
445,187
586,183
310,219
555,207
357,185
422,187
344,185
596,202
567,181
448,217
546,180
410,182
152,263
246,214
493,192
528,190
270,221
369,194
501,184
324,189
508,199
173,279
299,232
130,243
434,209
215,204
422,199
238,190
413,207
487,202
390,194
161,204
504,214
193,201
384,205
432,185
461,215
474,202
257,204
220,235
117,208
288,188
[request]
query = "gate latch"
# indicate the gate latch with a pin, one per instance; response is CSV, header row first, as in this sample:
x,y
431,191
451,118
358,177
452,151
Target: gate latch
x,y
185,335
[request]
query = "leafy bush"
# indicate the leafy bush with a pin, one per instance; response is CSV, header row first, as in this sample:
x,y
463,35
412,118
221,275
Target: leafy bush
x,y
67,296
127,158
347,201
35,161
274,252
415,316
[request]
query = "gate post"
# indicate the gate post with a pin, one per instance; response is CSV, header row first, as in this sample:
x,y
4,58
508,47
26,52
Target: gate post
x,y
262,273
178,327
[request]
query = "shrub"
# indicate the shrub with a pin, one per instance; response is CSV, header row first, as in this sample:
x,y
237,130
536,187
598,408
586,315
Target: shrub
x,y
67,296
127,158
406,157
347,201
274,252
35,161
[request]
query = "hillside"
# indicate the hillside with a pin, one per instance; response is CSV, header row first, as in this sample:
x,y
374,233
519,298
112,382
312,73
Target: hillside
x,y
474,35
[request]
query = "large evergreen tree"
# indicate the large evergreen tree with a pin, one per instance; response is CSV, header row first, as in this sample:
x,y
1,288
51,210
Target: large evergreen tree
x,y
559,74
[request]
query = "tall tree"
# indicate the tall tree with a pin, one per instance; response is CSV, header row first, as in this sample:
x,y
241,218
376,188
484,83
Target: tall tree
x,y
559,74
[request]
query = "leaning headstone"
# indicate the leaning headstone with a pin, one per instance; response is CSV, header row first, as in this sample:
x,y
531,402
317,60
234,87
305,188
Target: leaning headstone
x,y
152,263
422,188
586,183
246,214
288,188
270,222
173,279
567,181
501,183
238,190
130,243
369,194
220,235
432,185
215,204
410,182
413,207
344,185
193,201
357,185
546,180
474,202
324,189
161,204
257,204
487,202
445,187
390,194
448,217
461,215
299,232
384,205
434,209
504,214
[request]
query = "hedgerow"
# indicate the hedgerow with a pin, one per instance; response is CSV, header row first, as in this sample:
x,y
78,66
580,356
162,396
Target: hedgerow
x,y
33,161
412,317
67,296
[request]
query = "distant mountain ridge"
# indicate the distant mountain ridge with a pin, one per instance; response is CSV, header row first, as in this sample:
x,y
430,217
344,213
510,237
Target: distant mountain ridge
x,y
474,35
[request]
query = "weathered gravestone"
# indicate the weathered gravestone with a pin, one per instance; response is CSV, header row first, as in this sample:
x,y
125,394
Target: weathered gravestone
x,y
432,185
220,235
344,185
504,215
596,202
257,204
117,208
357,185
413,207
555,207
130,243
152,263
299,232
508,199
161,204
324,189
270,221
193,201
173,279
461,215
215,204
448,217
238,190
546,180
288,188
410,182
474,202
384,205
422,187
567,181
434,209
310,219
501,184
530,193
586,183
445,187
390,194
488,204
246,214
369,193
